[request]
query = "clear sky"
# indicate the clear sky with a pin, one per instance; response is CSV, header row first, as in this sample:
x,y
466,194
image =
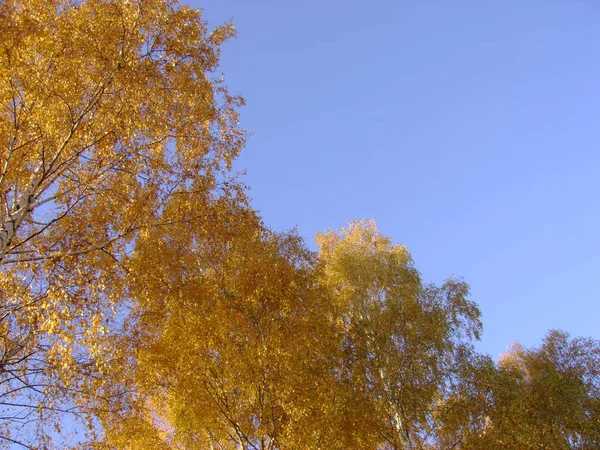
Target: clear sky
x,y
469,130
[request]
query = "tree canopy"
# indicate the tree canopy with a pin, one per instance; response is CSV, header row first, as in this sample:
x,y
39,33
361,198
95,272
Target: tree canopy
x,y
145,305
111,111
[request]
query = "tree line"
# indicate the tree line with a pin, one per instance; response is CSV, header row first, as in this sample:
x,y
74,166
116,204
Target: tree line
x,y
145,305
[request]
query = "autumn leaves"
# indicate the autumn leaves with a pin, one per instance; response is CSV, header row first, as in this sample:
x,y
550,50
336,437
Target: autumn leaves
x,y
252,341
112,125
145,302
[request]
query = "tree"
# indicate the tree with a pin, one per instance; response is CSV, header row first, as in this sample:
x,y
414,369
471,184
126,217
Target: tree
x,y
250,341
140,294
403,343
236,340
110,109
546,397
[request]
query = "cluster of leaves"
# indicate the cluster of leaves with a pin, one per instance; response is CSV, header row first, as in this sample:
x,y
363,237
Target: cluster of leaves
x,y
142,297
109,111
254,342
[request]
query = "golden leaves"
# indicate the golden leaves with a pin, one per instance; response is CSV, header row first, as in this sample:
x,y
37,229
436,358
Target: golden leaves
x,y
140,291
110,121
249,338
400,339
546,397
232,307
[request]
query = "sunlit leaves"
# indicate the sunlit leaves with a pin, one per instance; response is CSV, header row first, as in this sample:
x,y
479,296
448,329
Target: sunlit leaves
x,y
234,335
547,397
108,110
402,342
141,294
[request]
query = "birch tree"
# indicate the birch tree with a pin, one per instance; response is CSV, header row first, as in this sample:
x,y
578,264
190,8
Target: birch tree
x,y
236,341
108,110
403,342
546,397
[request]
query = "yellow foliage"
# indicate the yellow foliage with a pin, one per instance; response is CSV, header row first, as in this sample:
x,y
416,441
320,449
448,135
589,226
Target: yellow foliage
x,y
110,110
245,339
141,293
233,335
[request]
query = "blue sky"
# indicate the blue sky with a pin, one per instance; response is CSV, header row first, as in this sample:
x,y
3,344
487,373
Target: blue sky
x,y
469,130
